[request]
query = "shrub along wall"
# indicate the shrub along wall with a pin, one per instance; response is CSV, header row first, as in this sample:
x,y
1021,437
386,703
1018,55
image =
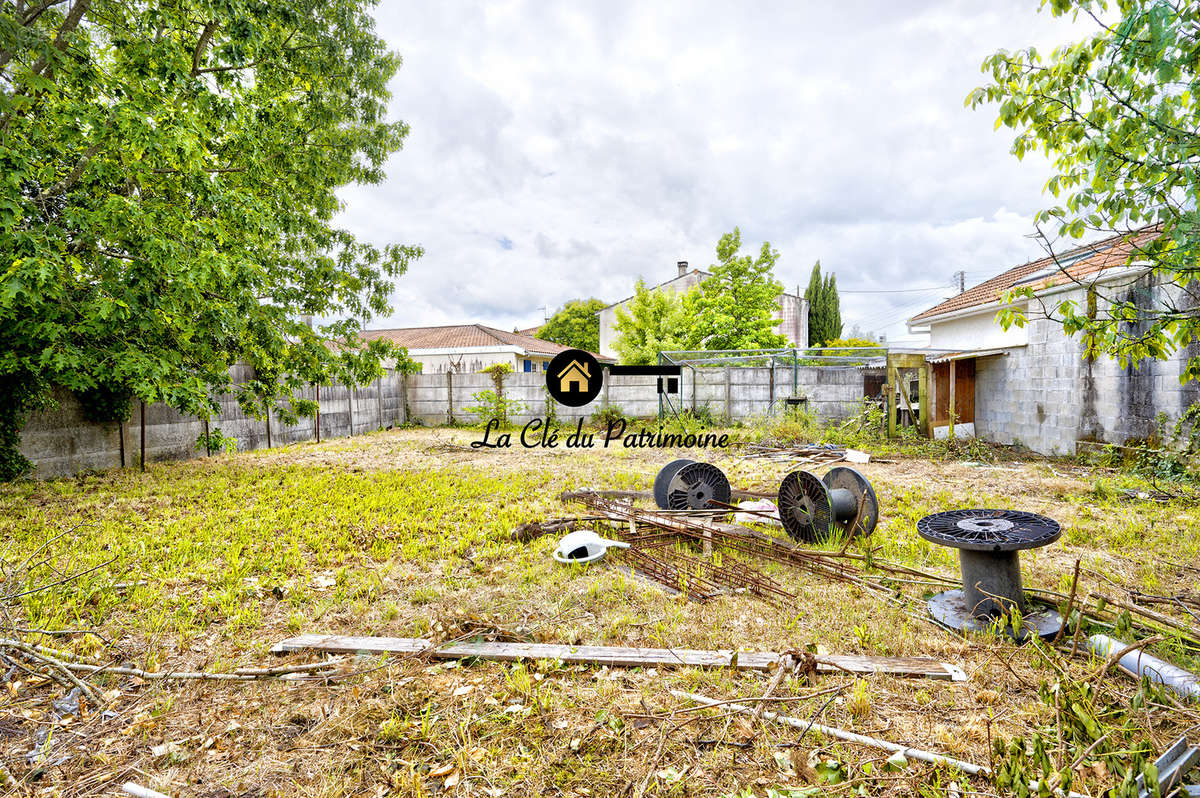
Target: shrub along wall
x,y
62,442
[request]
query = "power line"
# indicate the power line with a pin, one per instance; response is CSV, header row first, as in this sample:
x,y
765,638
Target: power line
x,y
894,315
895,290
916,302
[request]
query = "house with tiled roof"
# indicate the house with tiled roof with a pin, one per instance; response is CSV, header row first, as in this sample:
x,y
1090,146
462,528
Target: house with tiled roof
x,y
1034,384
470,347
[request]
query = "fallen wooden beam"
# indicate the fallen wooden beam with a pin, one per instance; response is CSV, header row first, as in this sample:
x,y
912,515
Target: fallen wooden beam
x,y
616,656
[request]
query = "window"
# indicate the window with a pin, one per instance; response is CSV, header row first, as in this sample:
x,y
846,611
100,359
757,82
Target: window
x,y
528,364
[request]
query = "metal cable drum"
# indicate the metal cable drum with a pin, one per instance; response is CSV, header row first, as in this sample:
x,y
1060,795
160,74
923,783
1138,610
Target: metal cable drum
x,y
988,542
849,490
694,485
989,530
805,506
662,481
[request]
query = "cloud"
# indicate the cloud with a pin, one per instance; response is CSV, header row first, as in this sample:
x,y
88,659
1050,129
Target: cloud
x,y
562,150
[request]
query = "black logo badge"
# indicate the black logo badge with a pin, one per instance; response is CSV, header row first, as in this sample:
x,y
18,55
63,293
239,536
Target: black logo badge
x,y
574,378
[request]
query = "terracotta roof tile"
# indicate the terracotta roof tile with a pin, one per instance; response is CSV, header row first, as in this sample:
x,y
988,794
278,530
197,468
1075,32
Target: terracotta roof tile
x,y
1105,254
462,335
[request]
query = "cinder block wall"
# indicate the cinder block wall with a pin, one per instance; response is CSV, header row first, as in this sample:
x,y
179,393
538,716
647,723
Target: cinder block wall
x,y
1048,396
62,441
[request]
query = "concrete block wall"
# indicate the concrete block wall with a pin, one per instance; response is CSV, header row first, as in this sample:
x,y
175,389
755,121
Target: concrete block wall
x,y
59,442
62,442
1048,396
832,393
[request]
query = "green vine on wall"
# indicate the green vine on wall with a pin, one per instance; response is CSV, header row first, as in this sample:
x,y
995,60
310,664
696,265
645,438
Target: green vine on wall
x,y
492,404
19,395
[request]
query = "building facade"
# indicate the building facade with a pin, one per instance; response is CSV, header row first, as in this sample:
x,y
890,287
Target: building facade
x,y
791,310
470,348
1035,385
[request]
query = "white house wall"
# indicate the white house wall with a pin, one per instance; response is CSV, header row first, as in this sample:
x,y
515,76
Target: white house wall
x,y
608,316
608,325
978,331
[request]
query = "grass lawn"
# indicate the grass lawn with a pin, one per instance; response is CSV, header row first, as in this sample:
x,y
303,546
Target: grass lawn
x,y
205,564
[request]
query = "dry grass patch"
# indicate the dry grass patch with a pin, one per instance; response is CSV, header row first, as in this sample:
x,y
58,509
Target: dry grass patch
x,y
205,564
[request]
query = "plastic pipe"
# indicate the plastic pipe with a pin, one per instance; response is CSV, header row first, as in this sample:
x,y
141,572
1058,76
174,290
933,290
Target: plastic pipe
x,y
1139,663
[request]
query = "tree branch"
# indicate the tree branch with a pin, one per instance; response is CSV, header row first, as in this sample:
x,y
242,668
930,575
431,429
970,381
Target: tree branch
x,y
68,182
231,68
74,17
202,44
33,13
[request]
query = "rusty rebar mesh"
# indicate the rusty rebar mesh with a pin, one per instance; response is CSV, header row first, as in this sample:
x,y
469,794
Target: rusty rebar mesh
x,y
738,575
699,578
742,540
648,541
676,574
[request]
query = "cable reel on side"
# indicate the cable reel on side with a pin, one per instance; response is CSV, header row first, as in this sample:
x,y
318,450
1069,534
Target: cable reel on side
x,y
811,508
662,481
690,485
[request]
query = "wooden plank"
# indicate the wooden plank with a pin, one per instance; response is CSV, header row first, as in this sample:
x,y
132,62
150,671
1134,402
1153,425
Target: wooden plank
x,y
618,656
926,415
952,378
941,393
893,378
964,388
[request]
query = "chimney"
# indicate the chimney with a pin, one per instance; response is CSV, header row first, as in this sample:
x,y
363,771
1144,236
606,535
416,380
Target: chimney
x,y
682,267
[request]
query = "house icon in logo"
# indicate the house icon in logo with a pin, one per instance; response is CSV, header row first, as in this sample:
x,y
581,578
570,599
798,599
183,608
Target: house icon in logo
x,y
574,378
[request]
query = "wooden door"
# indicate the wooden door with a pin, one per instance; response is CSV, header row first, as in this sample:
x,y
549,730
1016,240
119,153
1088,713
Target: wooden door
x,y
964,392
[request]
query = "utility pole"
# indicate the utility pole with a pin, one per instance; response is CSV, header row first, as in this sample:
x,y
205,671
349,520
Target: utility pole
x,y
961,278
545,313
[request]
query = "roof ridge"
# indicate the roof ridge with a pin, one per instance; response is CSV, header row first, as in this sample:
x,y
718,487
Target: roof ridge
x,y
1108,243
1092,249
490,332
422,327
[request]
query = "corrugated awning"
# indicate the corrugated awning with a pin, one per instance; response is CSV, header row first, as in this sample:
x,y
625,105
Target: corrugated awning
x,y
948,356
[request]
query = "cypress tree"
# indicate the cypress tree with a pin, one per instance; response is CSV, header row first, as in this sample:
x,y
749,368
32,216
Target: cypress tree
x,y
833,310
814,294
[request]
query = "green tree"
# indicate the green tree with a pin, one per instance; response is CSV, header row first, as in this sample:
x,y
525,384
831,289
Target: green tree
x,y
734,308
170,173
575,324
816,306
1118,114
833,310
824,307
654,322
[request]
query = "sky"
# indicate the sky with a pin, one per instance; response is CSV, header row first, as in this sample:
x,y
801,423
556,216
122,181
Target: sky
x,y
562,150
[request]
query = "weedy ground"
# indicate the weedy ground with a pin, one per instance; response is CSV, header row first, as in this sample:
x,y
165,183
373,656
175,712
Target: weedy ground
x,y
203,565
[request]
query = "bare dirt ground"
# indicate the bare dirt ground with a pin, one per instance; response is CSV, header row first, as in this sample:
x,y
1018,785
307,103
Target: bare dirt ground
x,y
203,565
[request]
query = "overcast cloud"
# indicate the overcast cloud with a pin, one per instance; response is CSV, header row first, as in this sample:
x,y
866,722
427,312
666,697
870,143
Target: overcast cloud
x,y
561,150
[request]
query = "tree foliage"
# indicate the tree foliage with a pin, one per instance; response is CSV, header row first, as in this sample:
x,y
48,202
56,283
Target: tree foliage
x,y
734,308
168,207
575,324
1118,114
652,322
833,310
824,307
